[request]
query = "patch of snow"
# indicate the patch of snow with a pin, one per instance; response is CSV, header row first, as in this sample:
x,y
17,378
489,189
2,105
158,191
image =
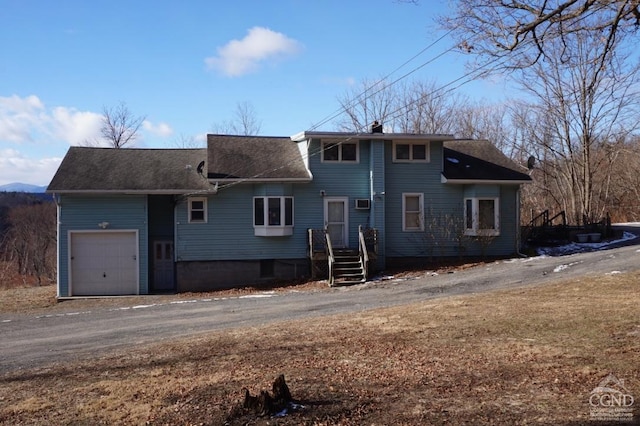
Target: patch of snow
x,y
582,247
178,302
532,258
255,296
5,321
613,273
560,268
143,306
63,315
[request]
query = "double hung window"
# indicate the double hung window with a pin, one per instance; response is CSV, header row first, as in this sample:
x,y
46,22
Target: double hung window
x,y
412,212
411,152
197,210
340,152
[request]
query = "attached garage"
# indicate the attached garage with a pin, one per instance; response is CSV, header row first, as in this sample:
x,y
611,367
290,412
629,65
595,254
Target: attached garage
x,y
103,263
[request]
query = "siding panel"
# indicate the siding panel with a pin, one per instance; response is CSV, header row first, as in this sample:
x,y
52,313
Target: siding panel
x,y
79,212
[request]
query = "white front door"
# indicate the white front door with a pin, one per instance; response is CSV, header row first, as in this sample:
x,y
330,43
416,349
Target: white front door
x,y
336,220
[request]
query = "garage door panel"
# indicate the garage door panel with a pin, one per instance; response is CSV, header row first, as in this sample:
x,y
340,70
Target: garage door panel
x,y
104,263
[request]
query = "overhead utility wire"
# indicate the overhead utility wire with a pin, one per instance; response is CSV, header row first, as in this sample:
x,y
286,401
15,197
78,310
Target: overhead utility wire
x,y
464,79
366,93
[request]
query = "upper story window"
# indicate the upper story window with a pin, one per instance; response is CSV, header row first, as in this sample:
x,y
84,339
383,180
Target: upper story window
x,y
340,152
273,216
198,210
482,216
412,212
405,152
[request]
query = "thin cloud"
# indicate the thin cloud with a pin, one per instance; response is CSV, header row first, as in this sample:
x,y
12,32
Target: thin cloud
x,y
16,167
260,45
18,116
28,120
161,129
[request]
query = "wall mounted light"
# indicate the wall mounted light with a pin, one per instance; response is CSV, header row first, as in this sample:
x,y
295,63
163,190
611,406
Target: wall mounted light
x,y
323,193
103,225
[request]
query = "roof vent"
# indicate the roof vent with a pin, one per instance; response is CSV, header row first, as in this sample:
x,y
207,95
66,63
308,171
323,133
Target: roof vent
x,y
376,127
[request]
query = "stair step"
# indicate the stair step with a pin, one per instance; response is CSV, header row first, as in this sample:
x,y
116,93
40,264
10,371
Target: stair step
x,y
338,281
355,274
347,267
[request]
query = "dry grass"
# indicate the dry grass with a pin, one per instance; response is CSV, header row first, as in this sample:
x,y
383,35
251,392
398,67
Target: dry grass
x,y
527,356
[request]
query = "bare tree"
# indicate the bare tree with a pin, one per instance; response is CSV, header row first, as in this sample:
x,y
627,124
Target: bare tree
x,y
584,103
186,141
481,120
245,121
414,107
372,100
497,28
32,239
624,194
119,126
246,118
421,108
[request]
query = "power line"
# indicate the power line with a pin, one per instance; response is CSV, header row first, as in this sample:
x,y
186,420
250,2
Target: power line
x,y
487,67
367,95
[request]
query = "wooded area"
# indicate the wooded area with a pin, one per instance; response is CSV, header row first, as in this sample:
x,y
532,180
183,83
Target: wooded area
x,y
27,239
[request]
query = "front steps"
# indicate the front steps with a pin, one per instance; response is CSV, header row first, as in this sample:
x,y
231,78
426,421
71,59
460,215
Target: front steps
x,y
347,268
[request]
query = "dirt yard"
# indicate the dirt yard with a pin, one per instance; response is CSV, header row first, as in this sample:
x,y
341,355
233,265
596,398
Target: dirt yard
x,y
527,356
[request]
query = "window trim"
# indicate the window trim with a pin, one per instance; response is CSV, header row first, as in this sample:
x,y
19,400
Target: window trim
x,y
267,230
427,153
191,210
420,196
340,144
475,231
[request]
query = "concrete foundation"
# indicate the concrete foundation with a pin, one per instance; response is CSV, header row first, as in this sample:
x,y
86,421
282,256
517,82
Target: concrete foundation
x,y
225,274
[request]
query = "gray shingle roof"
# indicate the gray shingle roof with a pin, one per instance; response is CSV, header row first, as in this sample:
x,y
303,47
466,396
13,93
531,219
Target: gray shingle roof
x,y
85,169
255,157
479,160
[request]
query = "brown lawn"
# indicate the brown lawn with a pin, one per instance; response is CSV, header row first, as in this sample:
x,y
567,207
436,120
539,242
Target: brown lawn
x,y
526,356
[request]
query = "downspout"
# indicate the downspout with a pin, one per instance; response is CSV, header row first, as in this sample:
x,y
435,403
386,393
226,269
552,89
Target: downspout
x,y
518,228
175,244
56,200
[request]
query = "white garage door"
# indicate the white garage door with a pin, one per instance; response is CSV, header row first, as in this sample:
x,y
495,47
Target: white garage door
x,y
104,263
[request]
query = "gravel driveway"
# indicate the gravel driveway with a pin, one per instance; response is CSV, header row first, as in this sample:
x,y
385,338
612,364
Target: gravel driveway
x,y
33,341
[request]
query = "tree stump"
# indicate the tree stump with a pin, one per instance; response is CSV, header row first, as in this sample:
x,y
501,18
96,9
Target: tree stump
x,y
264,404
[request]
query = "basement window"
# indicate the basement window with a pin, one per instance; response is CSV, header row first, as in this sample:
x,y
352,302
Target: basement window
x,y
273,216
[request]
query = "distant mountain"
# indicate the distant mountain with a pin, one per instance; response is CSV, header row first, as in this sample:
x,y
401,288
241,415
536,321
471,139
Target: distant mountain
x,y
22,187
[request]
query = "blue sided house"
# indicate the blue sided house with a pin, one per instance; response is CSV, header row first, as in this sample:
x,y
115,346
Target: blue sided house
x,y
249,209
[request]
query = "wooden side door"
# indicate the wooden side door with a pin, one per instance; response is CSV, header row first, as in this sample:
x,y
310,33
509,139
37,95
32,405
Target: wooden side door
x,y
163,266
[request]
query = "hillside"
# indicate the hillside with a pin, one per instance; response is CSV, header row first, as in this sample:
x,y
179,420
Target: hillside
x,y
22,187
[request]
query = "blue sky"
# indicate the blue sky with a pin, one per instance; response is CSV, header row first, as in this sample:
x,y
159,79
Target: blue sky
x,y
186,65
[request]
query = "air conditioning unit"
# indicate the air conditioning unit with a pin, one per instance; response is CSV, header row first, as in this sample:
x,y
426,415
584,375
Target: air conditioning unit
x,y
363,204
